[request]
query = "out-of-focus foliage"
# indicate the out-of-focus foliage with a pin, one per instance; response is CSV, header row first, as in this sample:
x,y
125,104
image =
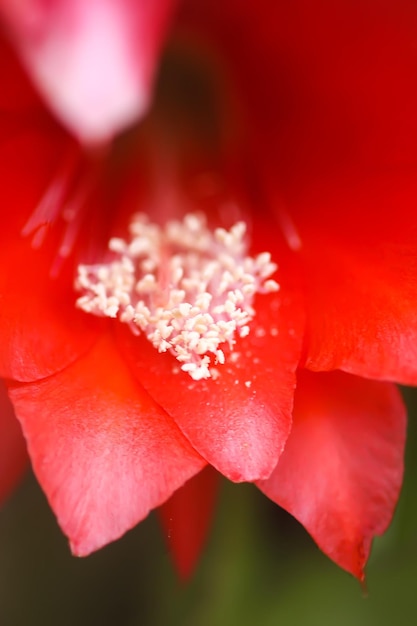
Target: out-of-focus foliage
x,y
259,567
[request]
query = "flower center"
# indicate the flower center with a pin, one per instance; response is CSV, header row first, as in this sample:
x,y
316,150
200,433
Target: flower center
x,y
187,289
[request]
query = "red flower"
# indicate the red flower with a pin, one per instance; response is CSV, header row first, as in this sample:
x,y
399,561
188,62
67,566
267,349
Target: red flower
x,y
301,122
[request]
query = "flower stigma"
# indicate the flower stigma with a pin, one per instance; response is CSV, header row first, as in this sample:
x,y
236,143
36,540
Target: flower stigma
x,y
188,289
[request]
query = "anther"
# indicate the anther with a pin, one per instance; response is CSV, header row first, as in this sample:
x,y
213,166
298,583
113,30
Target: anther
x,y
188,290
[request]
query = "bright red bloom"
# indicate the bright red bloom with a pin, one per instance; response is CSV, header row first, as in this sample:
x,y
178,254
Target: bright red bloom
x,y
301,122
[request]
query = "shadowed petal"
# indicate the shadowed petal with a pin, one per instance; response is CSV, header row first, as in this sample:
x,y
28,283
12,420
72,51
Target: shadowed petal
x,y
186,518
102,450
341,471
13,455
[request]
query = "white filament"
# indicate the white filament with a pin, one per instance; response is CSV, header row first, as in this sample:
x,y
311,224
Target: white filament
x,y
188,289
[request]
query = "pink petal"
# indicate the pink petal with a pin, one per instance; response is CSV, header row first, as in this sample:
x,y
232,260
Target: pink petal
x,y
239,422
186,518
102,450
13,455
41,331
341,471
93,61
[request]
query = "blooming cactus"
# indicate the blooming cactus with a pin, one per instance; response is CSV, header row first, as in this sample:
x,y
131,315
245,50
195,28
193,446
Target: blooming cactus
x,y
228,282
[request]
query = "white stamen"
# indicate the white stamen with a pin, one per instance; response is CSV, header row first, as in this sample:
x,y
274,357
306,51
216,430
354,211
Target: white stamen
x,y
187,289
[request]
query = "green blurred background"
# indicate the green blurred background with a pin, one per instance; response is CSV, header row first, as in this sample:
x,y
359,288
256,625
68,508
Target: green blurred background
x,y
260,567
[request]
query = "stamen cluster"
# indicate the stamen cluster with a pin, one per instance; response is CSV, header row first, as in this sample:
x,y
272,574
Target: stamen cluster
x,y
188,289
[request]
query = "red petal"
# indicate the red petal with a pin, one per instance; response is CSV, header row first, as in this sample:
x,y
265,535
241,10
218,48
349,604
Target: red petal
x,y
106,49
13,455
40,329
361,272
186,518
103,451
341,471
329,94
324,85
240,421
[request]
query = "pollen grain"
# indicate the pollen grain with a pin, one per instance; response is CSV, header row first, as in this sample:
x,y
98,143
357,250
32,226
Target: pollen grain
x,y
188,289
